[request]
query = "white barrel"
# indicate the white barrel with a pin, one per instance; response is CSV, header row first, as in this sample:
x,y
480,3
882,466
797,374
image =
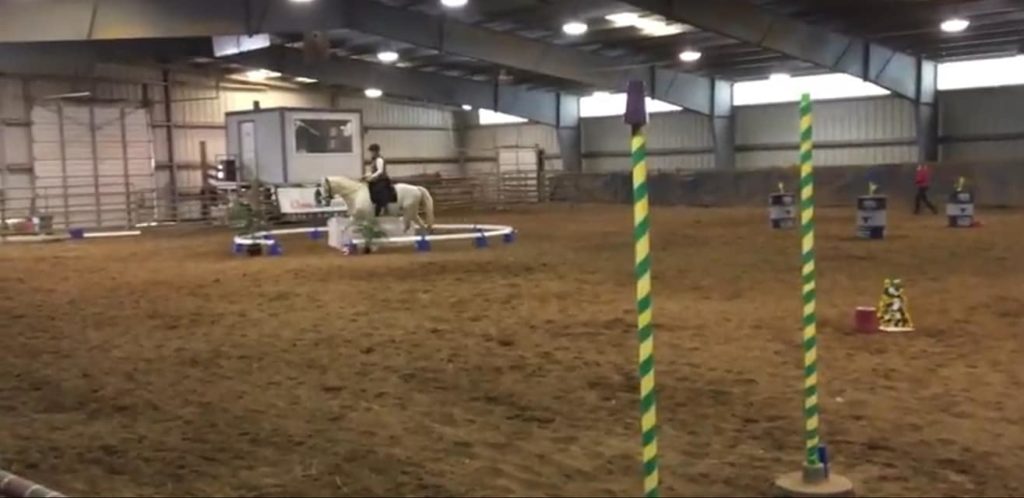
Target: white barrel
x,y
960,209
782,210
871,216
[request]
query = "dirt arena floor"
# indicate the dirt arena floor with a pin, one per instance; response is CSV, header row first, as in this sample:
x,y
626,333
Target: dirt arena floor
x,y
163,365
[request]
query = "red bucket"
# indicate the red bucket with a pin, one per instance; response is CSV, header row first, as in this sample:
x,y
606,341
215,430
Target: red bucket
x,y
865,320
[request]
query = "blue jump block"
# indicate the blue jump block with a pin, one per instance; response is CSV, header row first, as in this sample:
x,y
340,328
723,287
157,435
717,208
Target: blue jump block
x,y
353,249
275,249
423,244
316,234
509,238
77,233
480,241
237,248
823,457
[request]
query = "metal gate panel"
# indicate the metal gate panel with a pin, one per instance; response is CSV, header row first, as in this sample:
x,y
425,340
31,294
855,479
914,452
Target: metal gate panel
x,y
93,164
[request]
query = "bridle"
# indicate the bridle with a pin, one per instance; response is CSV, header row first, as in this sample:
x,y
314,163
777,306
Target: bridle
x,y
327,191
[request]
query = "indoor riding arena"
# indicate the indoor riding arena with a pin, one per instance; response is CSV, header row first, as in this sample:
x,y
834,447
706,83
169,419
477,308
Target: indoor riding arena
x,y
523,248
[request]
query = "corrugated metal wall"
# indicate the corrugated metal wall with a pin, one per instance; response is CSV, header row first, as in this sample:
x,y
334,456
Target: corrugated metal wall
x,y
983,124
483,142
676,141
847,132
415,139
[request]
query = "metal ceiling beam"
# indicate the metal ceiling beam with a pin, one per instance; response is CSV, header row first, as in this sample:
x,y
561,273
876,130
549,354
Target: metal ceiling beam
x,y
897,72
50,20
77,20
535,105
78,58
445,35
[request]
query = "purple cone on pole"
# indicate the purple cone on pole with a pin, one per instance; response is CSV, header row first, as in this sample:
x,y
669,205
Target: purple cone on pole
x,y
636,105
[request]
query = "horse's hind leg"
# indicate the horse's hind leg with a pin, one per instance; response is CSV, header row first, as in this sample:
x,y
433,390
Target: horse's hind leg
x,y
421,225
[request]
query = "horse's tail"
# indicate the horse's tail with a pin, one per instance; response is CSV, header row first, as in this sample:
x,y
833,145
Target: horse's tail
x,y
427,202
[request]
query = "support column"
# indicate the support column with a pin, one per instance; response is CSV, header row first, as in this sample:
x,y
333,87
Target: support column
x,y
723,125
927,113
570,140
462,122
168,116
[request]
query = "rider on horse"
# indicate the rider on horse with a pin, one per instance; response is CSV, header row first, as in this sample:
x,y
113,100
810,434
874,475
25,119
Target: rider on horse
x,y
382,192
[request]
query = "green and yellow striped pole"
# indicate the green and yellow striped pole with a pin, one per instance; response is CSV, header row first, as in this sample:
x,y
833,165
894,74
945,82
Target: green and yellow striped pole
x,y
812,442
815,478
636,117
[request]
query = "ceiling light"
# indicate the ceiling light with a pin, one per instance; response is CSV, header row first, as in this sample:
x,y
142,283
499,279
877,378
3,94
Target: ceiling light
x,y
601,95
261,74
467,107
373,93
574,28
301,1
453,4
650,26
778,77
303,79
387,56
954,25
689,55
623,19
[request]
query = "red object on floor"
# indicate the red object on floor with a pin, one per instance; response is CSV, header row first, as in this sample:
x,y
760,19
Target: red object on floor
x,y
865,320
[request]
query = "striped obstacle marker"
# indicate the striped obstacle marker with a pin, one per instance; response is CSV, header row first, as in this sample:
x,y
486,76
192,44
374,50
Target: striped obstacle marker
x,y
636,117
814,479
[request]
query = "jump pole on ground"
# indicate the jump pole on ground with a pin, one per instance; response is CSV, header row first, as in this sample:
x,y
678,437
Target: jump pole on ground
x,y
815,479
636,117
18,487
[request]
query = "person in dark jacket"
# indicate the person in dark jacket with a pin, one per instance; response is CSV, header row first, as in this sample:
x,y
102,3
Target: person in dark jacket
x,y
923,180
382,192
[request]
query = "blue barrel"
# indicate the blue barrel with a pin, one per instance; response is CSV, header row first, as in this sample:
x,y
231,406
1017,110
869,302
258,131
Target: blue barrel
x,y
782,211
960,209
871,216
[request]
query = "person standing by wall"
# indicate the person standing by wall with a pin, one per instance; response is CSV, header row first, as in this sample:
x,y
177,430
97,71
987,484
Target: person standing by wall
x,y
923,180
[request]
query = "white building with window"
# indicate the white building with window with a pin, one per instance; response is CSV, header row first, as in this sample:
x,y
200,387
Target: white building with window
x,y
295,146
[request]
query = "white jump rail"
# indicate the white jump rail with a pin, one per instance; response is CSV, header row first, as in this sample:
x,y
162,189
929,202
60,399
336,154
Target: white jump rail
x,y
18,487
473,231
67,236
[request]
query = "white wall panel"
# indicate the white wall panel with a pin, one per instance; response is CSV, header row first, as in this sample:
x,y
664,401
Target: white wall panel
x,y
399,144
242,100
17,194
670,130
982,111
486,139
659,163
382,113
45,87
845,156
12,99
445,169
848,120
983,150
187,143
16,145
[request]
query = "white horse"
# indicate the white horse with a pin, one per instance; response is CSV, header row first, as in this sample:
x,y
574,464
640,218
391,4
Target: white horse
x,y
357,196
